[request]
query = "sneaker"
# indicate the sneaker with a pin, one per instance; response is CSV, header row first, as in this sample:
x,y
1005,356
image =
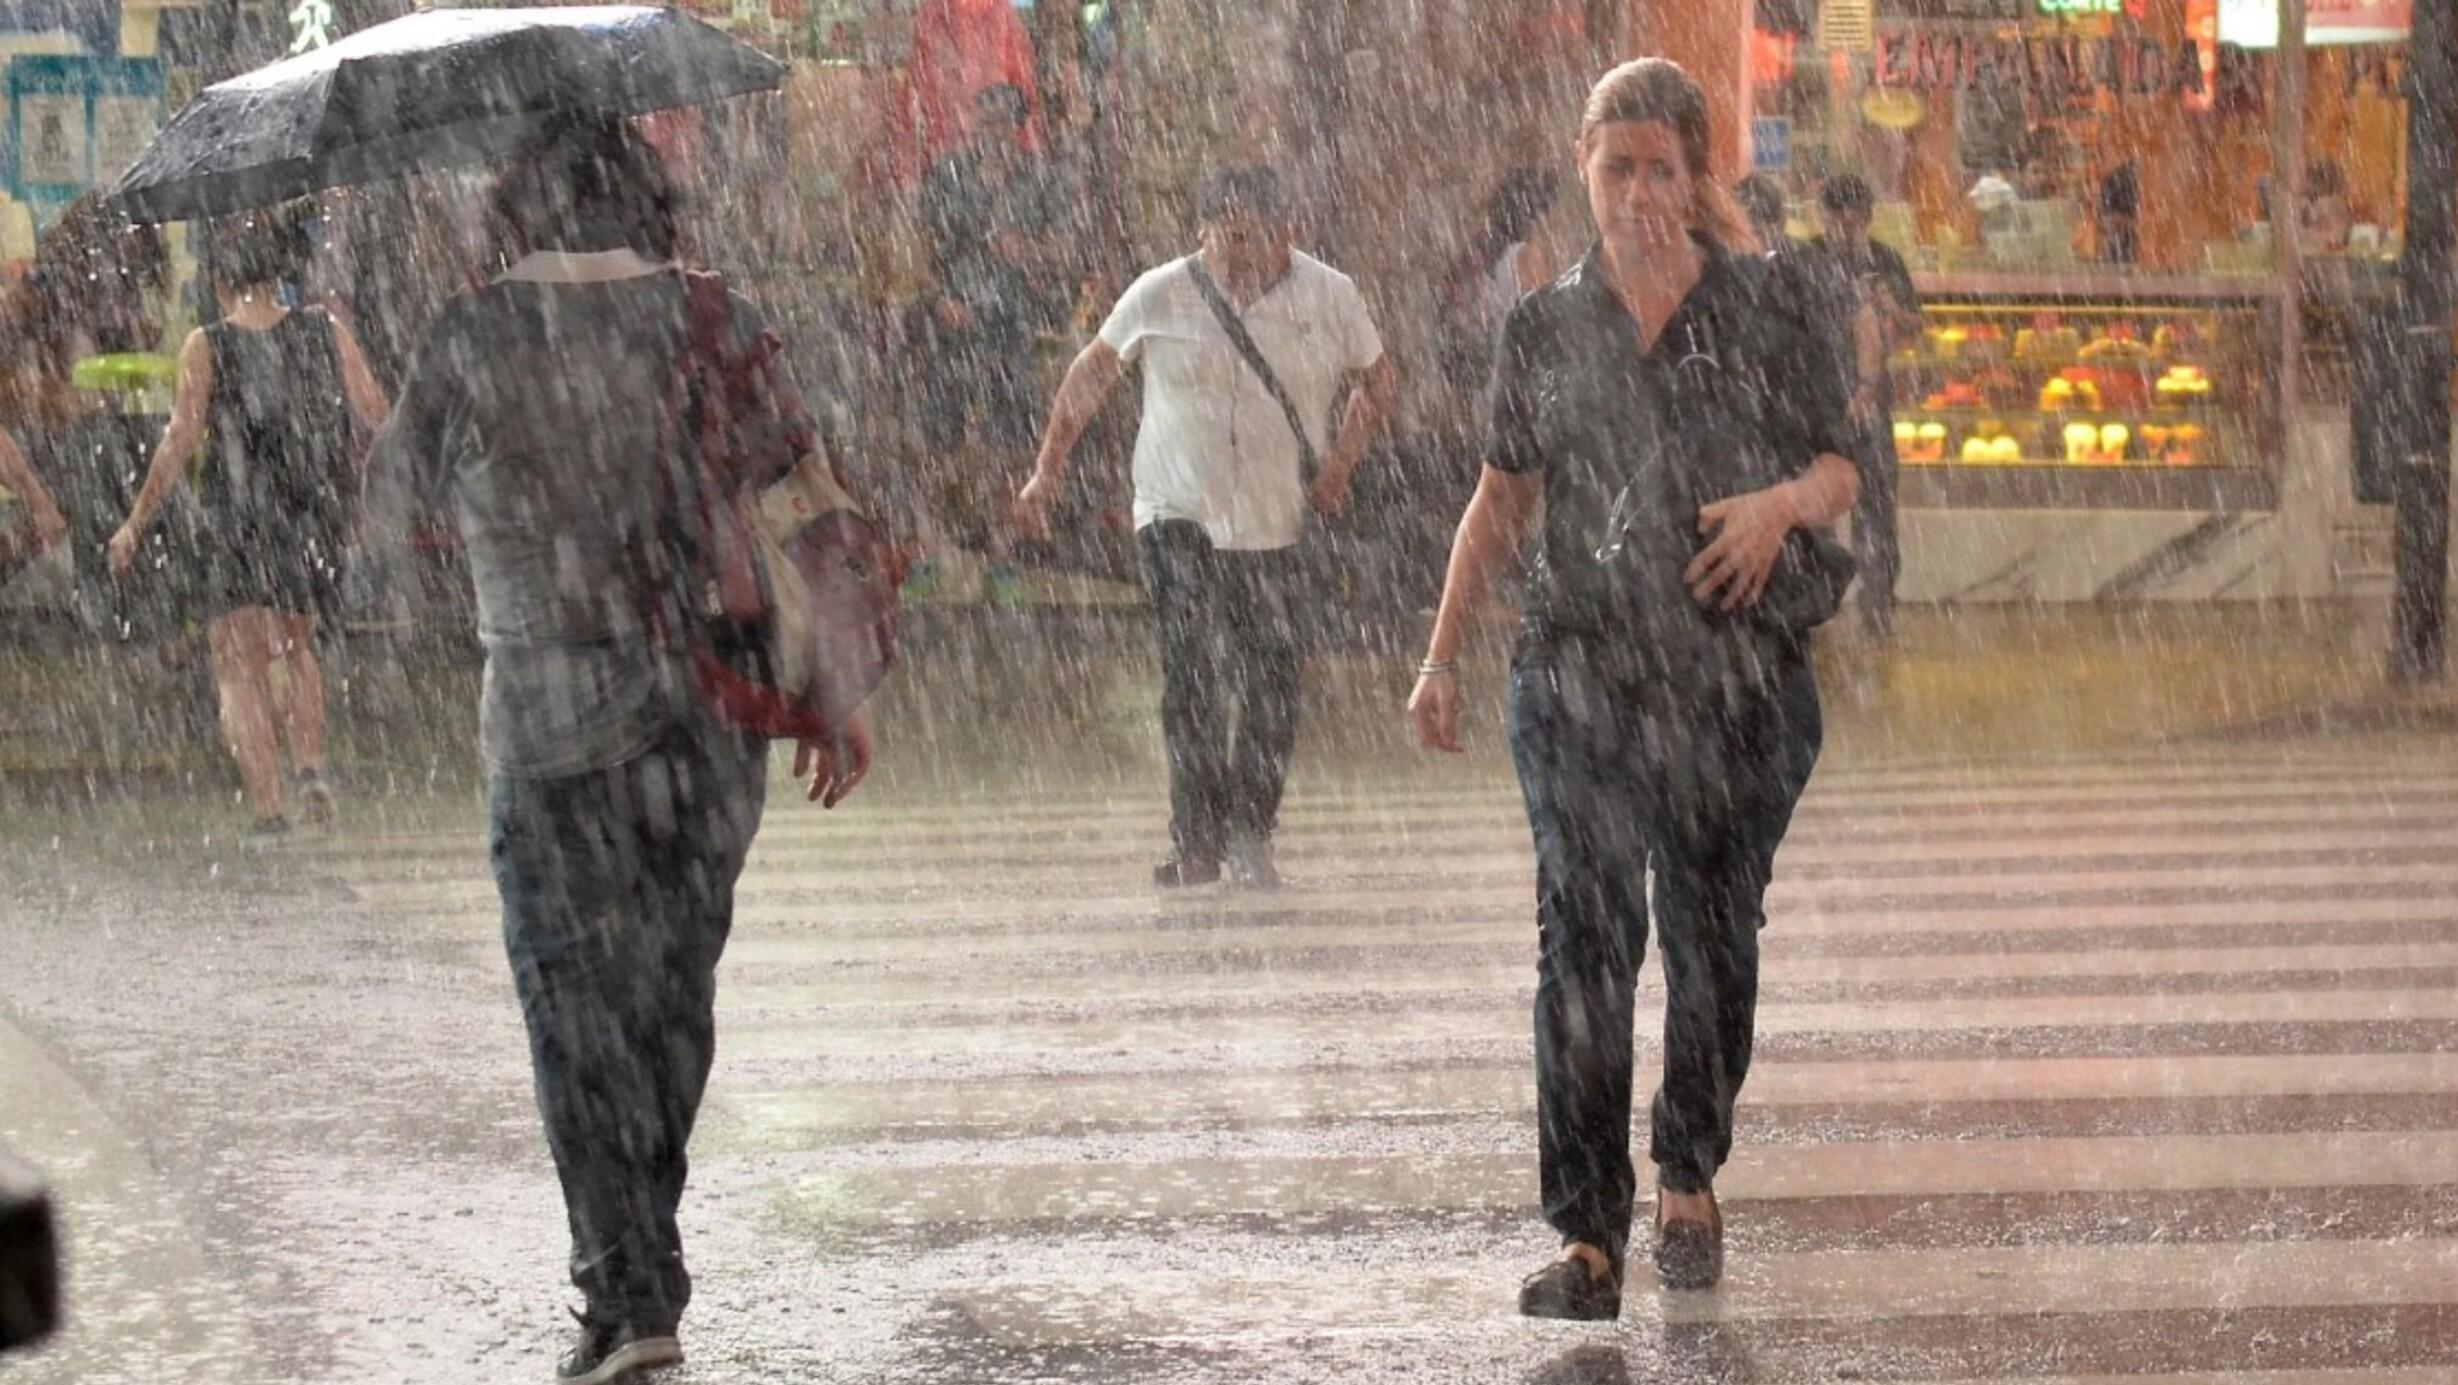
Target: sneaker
x,y
607,1353
316,798
1250,864
1179,871
1004,588
265,834
1568,1290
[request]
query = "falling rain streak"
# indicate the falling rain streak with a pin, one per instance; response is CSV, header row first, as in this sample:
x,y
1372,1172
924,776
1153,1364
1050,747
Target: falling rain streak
x,y
1171,690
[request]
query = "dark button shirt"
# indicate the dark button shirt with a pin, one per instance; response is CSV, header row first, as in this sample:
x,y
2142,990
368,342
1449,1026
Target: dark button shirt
x,y
1738,393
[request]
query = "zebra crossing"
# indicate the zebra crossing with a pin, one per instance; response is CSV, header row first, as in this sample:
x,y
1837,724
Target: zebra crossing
x,y
2128,1071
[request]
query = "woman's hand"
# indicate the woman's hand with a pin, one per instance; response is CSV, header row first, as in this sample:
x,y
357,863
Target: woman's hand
x,y
123,550
836,768
1748,531
1433,711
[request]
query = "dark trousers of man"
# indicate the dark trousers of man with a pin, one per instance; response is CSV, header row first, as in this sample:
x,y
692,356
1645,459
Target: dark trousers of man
x,y
1874,532
618,893
1620,785
1229,683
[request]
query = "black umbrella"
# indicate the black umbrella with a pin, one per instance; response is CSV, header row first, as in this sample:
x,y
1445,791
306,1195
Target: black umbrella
x,y
435,90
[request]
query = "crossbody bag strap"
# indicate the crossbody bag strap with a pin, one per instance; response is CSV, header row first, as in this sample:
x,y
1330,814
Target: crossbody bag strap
x,y
1244,341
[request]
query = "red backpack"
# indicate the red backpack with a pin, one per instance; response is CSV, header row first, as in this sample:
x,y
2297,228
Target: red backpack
x,y
791,591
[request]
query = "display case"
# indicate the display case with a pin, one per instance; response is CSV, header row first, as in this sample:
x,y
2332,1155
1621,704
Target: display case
x,y
2088,390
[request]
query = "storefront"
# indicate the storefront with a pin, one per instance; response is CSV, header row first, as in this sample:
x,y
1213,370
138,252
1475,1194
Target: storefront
x,y
2095,407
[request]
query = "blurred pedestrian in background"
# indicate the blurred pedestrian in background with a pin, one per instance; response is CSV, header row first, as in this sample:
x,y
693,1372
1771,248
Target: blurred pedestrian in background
x,y
1851,275
992,216
1521,243
94,290
277,397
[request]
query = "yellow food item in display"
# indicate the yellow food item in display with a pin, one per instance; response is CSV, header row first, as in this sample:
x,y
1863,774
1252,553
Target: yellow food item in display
x,y
2005,451
1975,449
2081,440
2113,439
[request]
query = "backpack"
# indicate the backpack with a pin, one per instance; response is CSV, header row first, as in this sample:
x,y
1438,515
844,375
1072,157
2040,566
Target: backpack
x,y
789,592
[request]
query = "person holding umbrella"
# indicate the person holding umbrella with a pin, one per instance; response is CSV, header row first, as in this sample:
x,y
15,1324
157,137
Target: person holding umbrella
x,y
621,807
542,407
1686,435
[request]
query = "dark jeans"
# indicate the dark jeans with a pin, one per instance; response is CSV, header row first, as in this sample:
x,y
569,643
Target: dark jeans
x,y
1229,652
1874,531
1623,783
618,893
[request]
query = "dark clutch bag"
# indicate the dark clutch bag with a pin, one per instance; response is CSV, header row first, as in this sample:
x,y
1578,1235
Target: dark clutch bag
x,y
1807,587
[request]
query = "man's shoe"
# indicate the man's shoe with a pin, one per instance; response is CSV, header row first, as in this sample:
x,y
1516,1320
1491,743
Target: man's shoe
x,y
1185,870
610,1354
1567,1289
1690,1254
1250,864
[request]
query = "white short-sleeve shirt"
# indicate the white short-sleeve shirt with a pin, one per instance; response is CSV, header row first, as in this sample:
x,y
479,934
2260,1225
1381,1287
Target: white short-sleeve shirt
x,y
1213,447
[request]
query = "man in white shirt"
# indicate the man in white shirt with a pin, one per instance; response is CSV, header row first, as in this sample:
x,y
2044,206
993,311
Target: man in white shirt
x,y
1222,496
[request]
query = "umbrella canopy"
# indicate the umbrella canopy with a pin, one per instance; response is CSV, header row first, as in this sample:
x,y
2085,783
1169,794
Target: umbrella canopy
x,y
434,90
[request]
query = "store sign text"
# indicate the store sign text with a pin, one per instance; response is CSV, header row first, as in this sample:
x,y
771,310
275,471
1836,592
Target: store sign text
x,y
2054,68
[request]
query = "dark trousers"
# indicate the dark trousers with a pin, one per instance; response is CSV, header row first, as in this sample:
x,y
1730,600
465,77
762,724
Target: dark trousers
x,y
1874,530
1620,786
1229,683
618,893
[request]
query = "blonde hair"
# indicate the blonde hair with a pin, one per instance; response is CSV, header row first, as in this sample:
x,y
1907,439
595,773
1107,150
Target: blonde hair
x,y
1657,89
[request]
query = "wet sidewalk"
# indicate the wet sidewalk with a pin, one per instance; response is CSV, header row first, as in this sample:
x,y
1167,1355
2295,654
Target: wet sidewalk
x,y
2108,1035
2122,1068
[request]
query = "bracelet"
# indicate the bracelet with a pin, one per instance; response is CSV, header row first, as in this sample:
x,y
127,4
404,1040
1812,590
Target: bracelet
x,y
1435,668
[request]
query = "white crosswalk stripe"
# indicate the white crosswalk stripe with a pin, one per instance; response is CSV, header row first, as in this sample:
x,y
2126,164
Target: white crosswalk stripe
x,y
2075,1074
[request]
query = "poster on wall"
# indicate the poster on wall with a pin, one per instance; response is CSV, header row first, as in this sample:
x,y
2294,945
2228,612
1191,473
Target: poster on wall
x,y
51,141
49,134
129,108
75,122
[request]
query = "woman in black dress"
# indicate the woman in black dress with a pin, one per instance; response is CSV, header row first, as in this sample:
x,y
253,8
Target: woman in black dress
x,y
273,394
1687,434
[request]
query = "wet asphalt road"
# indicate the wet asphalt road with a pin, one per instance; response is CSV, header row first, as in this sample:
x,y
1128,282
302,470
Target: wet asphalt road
x,y
2126,1066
